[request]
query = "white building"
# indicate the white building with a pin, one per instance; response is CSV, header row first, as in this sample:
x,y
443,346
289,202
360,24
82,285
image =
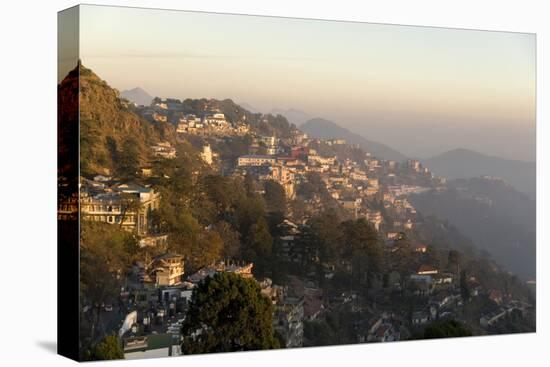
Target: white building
x,y
206,154
256,160
115,206
215,119
164,150
167,269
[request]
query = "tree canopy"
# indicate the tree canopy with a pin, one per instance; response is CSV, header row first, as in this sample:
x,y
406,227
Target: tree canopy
x,y
107,349
446,329
274,196
228,313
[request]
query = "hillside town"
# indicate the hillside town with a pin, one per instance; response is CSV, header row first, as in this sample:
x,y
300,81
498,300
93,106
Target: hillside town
x,y
418,280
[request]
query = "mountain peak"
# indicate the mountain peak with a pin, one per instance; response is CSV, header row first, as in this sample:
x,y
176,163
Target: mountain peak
x,y
137,89
137,95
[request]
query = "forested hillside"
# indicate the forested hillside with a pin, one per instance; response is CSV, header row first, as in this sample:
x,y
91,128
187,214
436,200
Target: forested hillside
x,y
113,139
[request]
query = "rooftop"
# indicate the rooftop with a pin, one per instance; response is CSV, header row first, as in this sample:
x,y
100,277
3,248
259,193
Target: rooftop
x,y
265,156
167,256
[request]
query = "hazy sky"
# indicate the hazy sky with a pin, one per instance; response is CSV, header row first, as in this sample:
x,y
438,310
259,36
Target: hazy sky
x,y
420,90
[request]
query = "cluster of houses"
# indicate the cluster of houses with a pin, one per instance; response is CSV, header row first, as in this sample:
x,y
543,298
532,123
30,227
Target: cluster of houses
x,y
440,299
210,123
207,122
355,185
158,302
385,327
505,306
377,190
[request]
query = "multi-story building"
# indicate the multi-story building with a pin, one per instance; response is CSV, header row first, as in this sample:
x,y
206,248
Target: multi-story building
x,y
288,250
298,137
158,117
256,160
67,208
375,218
164,150
158,241
358,175
188,123
215,119
317,159
167,269
268,141
206,154
335,142
126,205
414,165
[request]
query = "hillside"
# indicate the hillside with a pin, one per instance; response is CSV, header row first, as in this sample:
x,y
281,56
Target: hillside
x,y
138,96
233,112
109,130
249,107
264,124
463,163
498,218
325,129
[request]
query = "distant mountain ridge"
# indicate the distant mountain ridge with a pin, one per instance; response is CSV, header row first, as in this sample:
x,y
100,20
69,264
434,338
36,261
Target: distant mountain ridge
x,y
325,129
297,117
138,96
464,163
248,107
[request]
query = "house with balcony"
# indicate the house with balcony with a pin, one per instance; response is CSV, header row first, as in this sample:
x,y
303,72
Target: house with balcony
x,y
167,269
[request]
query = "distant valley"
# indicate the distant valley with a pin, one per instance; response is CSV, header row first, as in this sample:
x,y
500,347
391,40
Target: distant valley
x,y
463,163
498,218
489,199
